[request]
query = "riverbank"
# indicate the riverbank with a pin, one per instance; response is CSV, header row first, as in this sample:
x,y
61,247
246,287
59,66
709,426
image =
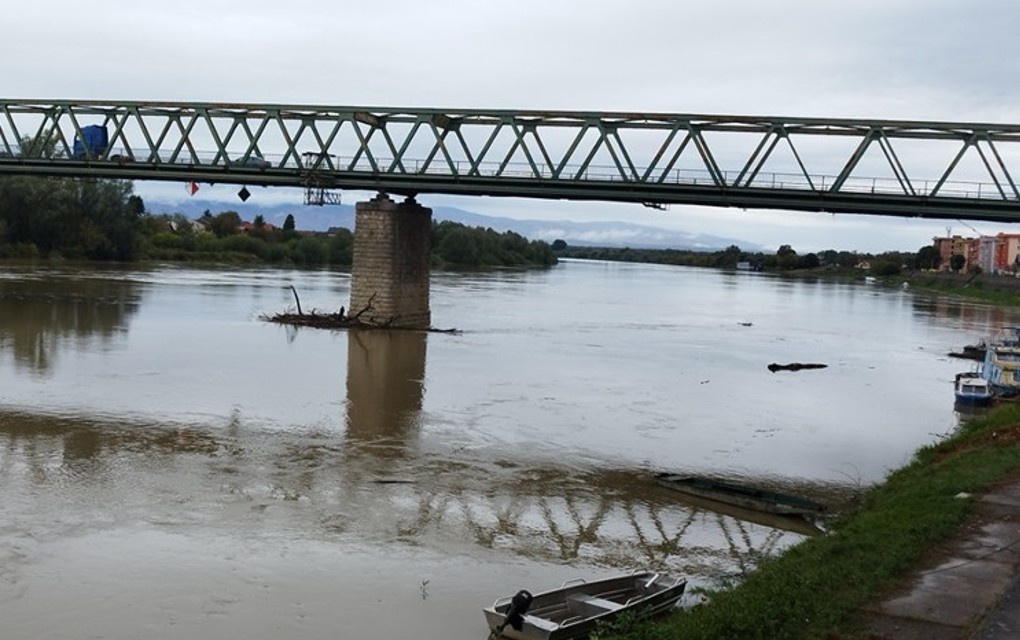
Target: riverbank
x,y
996,289
832,587
962,589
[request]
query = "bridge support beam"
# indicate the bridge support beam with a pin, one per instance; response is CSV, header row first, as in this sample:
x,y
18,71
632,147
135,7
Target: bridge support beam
x,y
390,271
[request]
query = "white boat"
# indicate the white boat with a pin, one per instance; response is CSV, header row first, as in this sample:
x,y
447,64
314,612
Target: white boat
x,y
577,607
973,390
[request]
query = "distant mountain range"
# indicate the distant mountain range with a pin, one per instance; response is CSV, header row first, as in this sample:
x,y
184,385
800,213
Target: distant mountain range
x,y
600,234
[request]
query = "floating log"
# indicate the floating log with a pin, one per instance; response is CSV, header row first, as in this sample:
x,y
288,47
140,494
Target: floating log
x,y
795,366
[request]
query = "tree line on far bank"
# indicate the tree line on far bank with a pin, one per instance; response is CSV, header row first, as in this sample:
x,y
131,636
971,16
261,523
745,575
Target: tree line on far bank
x,y
224,237
89,219
103,220
784,259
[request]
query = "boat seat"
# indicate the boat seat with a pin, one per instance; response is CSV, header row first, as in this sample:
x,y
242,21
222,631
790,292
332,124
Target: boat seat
x,y
541,623
588,605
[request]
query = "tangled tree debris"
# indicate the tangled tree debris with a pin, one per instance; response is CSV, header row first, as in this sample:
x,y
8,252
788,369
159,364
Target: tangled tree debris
x,y
339,320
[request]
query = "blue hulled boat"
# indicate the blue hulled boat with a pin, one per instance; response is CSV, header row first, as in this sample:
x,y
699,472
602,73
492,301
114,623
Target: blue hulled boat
x,y
973,390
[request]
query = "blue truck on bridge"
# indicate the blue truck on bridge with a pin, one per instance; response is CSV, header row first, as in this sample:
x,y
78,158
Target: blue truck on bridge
x,y
91,143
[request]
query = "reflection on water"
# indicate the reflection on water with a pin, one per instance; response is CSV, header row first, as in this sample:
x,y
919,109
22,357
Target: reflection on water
x,y
228,505
385,374
970,316
98,471
969,411
38,315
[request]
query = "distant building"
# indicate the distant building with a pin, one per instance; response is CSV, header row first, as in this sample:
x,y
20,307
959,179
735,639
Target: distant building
x,y
992,254
972,252
1007,252
956,246
947,248
988,252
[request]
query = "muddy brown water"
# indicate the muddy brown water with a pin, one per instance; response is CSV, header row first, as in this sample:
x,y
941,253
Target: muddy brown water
x,y
172,466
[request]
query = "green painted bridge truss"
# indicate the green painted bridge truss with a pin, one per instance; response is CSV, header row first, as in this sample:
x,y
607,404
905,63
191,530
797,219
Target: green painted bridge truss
x,y
884,167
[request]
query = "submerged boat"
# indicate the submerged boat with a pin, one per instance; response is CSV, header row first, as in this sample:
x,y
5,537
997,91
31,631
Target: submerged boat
x,y
576,607
741,495
795,524
973,390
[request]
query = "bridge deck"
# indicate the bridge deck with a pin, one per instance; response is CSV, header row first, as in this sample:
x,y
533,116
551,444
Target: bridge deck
x,y
899,168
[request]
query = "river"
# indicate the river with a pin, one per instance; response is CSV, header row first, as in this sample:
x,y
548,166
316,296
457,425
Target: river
x,y
174,466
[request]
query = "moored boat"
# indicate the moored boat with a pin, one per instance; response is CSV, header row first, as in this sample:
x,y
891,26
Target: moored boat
x,y
972,390
971,352
795,524
1001,369
576,607
741,495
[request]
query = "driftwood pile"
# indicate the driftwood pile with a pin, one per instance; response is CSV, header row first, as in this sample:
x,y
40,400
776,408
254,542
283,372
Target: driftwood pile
x,y
321,320
338,320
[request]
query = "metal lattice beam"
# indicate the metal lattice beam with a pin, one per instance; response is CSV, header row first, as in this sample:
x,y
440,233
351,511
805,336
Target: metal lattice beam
x,y
901,168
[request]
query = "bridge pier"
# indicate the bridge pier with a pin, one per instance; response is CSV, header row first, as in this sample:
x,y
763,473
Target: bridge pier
x,y
390,271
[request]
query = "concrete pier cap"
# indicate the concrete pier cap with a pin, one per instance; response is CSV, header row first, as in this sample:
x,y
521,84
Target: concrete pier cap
x,y
390,270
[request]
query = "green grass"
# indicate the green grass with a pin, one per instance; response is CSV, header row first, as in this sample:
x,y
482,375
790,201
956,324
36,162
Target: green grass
x,y
995,290
817,588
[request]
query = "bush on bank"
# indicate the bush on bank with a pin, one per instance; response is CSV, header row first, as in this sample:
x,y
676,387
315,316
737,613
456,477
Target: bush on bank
x,y
818,588
452,245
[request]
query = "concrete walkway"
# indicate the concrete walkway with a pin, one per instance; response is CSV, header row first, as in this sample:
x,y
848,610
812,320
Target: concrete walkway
x,y
970,589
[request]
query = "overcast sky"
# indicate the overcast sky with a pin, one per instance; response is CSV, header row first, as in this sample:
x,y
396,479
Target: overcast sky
x,y
885,59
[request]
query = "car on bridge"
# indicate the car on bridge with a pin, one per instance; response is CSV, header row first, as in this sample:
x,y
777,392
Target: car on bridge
x,y
254,160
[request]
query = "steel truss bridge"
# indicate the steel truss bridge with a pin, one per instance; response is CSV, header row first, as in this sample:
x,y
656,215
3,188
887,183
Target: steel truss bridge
x,y
883,167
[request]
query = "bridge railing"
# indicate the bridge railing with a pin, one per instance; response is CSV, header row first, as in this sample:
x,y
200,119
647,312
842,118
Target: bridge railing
x,y
689,177
523,171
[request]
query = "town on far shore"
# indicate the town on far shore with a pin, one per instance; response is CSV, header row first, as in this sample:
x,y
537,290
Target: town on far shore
x,y
997,255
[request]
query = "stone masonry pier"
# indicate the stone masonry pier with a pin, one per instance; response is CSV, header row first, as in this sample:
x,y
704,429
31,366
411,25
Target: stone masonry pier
x,y
390,271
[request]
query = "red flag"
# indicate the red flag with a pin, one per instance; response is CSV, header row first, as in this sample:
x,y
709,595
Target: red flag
x,y
192,188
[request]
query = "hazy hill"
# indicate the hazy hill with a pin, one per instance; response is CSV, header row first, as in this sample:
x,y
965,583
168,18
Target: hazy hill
x,y
603,234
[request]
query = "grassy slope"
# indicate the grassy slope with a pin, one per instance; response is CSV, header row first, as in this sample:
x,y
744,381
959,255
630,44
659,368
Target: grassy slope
x,y
817,589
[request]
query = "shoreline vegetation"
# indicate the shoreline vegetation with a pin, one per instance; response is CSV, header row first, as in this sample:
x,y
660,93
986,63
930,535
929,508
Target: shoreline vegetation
x,y
57,219
167,238
889,269
819,588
